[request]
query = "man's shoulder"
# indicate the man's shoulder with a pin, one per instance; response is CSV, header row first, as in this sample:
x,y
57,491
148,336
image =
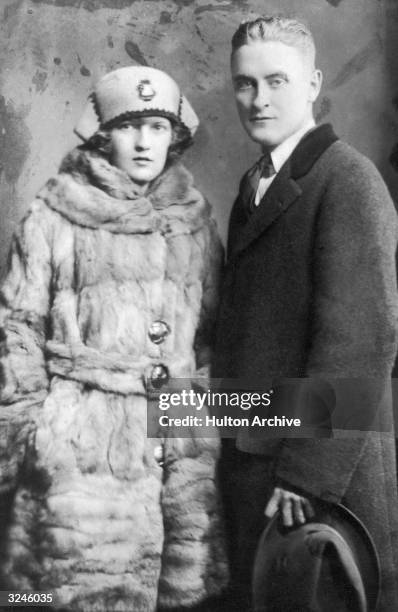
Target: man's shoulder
x,y
323,150
351,168
352,188
344,156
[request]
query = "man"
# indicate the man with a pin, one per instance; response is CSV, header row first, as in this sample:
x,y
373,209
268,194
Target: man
x,y
309,291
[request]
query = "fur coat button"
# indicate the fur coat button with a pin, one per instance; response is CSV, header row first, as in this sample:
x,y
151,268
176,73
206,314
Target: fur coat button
x,y
159,375
158,331
159,454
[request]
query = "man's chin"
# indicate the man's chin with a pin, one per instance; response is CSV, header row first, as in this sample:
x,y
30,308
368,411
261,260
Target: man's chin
x,y
263,140
262,136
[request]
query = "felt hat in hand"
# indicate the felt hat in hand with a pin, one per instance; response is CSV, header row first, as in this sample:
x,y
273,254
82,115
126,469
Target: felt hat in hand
x,y
327,565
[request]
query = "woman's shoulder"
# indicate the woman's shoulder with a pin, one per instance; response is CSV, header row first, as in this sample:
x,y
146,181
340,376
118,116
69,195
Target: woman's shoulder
x,y
42,211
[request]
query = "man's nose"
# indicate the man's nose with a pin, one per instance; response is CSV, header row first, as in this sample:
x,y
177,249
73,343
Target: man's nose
x,y
261,98
142,139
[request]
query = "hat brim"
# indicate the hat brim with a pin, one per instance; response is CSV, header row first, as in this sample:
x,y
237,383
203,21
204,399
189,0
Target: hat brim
x,y
89,122
348,525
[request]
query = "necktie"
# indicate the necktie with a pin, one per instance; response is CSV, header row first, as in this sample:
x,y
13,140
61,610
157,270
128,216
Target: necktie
x,y
264,168
267,167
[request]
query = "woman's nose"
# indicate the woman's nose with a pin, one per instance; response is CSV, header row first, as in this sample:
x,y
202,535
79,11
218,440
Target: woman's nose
x,y
142,139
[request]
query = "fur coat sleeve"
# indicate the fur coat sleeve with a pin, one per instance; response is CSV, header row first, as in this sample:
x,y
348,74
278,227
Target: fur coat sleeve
x,y
354,331
25,299
205,333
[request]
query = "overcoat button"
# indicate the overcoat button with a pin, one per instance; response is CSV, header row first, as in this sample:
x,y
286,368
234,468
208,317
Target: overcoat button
x,y
158,331
159,375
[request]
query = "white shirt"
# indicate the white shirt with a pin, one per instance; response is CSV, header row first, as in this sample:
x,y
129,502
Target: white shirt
x,y
279,156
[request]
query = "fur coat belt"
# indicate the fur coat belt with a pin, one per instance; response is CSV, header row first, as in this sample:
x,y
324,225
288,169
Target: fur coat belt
x,y
110,372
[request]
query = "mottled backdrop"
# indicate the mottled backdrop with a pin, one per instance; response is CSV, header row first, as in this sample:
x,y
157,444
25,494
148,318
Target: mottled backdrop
x,y
52,51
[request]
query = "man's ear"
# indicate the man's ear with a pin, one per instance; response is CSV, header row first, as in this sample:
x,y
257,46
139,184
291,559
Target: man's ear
x,y
316,84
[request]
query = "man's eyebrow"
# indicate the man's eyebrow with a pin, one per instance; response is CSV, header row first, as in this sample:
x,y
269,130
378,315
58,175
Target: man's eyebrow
x,y
275,75
239,76
272,75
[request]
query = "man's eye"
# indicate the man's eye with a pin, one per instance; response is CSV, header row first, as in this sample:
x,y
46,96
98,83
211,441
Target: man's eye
x,y
276,82
125,126
159,126
243,84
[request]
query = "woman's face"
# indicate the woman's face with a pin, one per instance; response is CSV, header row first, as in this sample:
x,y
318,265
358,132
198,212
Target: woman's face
x,y
139,147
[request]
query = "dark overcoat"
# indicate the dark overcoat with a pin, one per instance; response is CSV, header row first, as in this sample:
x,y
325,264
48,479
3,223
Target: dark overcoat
x,y
310,291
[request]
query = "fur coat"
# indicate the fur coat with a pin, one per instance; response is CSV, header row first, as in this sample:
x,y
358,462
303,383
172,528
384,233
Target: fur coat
x,y
91,516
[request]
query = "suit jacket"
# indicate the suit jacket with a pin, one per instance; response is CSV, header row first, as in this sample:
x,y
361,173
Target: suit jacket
x,y
310,291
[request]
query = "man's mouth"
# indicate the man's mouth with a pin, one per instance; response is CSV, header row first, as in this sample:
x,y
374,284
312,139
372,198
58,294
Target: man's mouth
x,y
261,118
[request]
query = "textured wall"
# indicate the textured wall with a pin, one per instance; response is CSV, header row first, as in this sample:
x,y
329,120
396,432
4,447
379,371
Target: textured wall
x,y
52,51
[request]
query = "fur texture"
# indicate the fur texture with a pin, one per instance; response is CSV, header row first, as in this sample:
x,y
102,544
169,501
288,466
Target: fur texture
x,y
94,518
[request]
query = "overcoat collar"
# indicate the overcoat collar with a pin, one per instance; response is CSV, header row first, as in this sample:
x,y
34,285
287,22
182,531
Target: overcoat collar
x,y
285,189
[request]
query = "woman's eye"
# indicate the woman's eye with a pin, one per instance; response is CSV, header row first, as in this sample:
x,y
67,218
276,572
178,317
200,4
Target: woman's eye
x,y
125,126
159,126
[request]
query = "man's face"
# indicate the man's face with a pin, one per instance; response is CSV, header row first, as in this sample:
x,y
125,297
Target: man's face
x,y
140,146
275,87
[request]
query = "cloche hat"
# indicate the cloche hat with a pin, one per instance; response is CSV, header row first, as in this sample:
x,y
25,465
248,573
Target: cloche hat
x,y
135,91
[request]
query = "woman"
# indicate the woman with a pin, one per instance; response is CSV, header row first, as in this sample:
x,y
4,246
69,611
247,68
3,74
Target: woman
x,y
112,287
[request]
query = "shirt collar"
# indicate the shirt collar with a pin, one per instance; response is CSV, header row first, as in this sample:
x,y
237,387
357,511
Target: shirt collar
x,y
283,151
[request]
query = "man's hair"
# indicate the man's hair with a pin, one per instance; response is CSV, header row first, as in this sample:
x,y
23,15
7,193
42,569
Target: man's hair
x,y
276,28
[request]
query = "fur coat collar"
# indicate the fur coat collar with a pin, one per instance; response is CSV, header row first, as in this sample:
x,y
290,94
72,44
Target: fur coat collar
x,y
90,192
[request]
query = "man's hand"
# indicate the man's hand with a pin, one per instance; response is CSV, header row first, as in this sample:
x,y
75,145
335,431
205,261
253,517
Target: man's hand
x,y
294,509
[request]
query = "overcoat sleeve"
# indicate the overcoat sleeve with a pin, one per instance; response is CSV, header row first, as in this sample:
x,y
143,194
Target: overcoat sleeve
x,y
354,324
25,303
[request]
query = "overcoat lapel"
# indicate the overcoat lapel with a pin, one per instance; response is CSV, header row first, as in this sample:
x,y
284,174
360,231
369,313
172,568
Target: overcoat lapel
x,y
281,194
284,190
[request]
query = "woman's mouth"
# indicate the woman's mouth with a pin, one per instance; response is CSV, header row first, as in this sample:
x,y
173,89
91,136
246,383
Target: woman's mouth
x,y
142,160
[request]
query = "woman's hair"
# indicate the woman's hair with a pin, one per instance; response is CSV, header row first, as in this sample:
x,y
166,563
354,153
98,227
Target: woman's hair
x,y
276,28
181,140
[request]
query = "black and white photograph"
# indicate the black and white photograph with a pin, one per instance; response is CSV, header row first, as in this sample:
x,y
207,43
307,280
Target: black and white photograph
x,y
198,305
